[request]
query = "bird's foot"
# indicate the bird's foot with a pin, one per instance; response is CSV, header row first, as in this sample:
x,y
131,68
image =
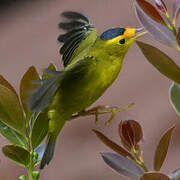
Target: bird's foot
x,y
98,110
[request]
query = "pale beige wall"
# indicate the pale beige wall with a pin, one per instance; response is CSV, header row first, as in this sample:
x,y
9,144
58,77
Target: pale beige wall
x,y
28,37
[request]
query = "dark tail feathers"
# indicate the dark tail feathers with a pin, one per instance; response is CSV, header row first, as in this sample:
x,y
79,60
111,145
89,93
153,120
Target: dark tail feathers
x,y
49,152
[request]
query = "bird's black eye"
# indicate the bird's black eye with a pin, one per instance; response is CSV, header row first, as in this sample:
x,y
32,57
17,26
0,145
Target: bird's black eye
x,y
122,41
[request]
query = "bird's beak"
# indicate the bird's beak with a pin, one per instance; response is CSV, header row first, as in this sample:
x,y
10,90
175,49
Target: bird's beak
x,y
139,32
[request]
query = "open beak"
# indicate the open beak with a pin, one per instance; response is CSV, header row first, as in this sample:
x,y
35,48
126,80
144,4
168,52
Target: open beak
x,y
139,32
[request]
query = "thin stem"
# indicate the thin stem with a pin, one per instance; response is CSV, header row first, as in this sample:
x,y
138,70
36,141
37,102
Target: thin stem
x,y
144,167
174,22
138,158
30,173
172,25
31,164
30,167
140,163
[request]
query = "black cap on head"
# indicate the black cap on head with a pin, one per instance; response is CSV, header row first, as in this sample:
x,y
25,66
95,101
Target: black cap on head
x,y
112,33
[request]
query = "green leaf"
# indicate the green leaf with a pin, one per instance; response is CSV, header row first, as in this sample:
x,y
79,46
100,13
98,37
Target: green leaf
x,y
162,149
17,154
12,136
174,95
115,147
22,177
175,175
50,67
154,176
160,61
11,112
122,165
26,86
5,83
40,129
35,175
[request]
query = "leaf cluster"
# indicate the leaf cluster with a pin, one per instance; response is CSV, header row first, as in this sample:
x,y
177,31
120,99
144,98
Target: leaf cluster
x,y
22,128
128,160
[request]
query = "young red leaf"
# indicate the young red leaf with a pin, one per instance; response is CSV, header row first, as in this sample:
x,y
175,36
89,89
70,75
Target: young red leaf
x,y
154,176
130,133
161,5
162,149
115,147
151,11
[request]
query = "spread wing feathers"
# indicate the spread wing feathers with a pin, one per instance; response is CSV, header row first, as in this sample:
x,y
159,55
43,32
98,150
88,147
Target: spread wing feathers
x,y
43,95
74,15
70,25
78,29
71,34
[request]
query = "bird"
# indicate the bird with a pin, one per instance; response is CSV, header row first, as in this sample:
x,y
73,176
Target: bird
x,y
91,62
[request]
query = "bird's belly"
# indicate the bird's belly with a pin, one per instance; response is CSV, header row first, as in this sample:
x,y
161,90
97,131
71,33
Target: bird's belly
x,y
81,93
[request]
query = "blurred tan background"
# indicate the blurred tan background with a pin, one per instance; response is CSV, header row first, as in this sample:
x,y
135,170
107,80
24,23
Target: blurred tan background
x,y
28,33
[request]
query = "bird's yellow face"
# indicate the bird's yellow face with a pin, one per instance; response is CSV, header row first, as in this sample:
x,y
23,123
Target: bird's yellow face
x,y
118,40
124,40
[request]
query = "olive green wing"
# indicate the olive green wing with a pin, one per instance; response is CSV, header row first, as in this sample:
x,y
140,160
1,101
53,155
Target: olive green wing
x,y
80,35
42,96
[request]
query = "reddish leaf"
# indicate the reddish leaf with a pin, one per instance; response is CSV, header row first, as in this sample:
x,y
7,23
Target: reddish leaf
x,y
115,147
130,133
151,11
162,149
5,83
154,176
161,5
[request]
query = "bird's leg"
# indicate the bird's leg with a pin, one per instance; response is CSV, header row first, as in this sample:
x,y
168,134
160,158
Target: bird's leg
x,y
102,110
